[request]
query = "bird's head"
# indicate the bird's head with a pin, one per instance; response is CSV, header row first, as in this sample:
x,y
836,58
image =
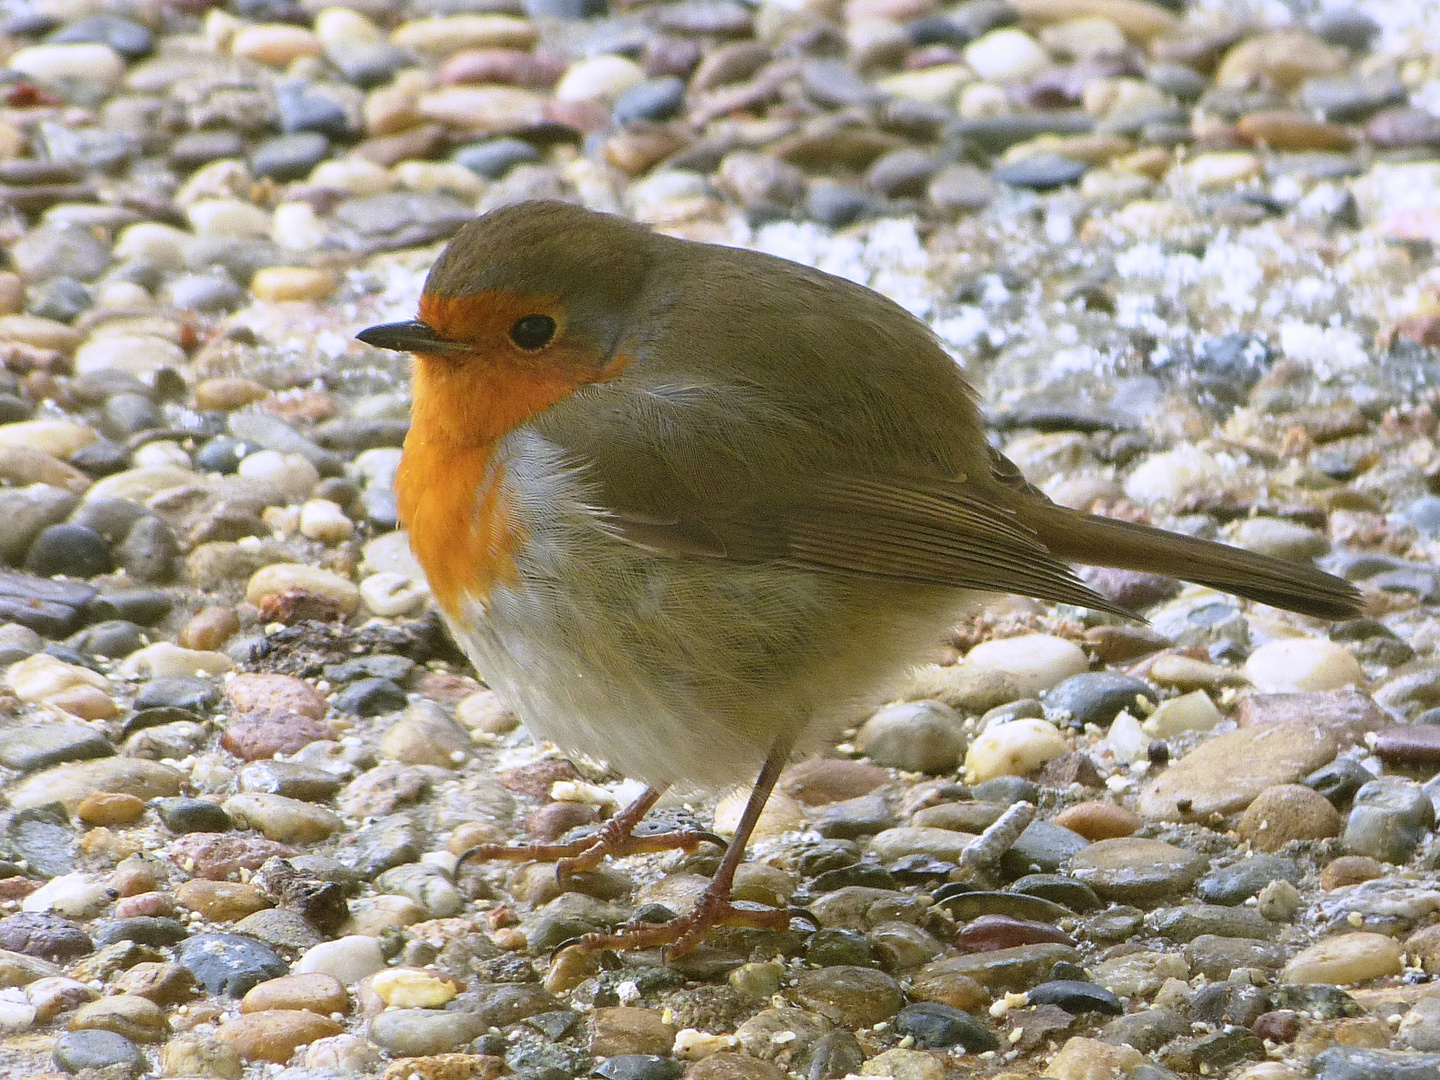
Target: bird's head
x,y
524,306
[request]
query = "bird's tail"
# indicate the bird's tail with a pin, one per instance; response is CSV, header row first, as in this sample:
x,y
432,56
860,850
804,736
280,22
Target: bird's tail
x,y
1099,541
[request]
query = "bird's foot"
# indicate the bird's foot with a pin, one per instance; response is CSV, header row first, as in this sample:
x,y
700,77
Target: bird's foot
x,y
616,838
681,934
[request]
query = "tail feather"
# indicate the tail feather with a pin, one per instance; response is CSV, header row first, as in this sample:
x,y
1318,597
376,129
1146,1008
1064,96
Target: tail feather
x,y
1098,541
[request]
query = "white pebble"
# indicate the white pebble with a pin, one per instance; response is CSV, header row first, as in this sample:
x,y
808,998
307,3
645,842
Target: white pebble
x,y
164,660
354,175
378,466
1127,740
150,241
391,554
323,520
141,355
691,1044
139,485
162,452
16,1013
349,959
1032,662
1013,749
229,217
295,225
75,896
290,474
294,577
1006,54
1302,664
392,595
1189,712
1171,474
603,78
83,62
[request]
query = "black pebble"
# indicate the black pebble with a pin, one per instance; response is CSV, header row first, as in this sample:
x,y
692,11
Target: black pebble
x,y
72,550
1075,997
940,1027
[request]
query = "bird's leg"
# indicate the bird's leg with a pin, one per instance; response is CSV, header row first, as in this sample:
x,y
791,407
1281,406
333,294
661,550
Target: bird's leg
x,y
615,838
682,934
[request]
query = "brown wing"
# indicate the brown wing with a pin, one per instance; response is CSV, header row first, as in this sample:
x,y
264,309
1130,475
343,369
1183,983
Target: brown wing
x,y
927,533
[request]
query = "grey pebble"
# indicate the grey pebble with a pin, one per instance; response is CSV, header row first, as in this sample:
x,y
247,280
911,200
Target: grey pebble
x,y
229,964
94,1049
1389,818
38,746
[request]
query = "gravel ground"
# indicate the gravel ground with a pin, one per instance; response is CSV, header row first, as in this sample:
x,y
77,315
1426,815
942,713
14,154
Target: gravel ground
x,y
1187,255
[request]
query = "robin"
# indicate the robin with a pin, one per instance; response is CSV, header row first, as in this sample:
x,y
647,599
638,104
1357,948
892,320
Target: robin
x,y
690,509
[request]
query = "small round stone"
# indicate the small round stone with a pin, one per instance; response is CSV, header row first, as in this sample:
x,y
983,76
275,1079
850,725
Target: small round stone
x,y
75,1051
1345,959
417,1032
1288,812
72,550
1013,749
1030,664
313,991
1099,820
1388,820
917,736
1303,664
281,283
275,1035
209,629
348,959
849,996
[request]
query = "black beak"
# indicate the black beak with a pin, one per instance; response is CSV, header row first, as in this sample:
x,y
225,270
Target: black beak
x,y
413,337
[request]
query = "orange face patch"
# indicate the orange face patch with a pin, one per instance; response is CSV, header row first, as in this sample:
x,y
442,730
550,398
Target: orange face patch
x,y
451,494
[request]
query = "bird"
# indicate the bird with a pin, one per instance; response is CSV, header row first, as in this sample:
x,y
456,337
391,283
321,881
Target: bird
x,y
691,509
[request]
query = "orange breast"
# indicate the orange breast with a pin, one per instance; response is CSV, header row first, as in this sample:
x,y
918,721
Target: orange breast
x,y
461,526
451,491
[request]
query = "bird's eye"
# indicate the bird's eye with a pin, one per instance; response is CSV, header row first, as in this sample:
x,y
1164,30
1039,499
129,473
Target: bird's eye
x,y
533,332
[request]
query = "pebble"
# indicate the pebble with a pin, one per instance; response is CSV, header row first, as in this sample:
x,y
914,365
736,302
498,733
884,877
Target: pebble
x,y
1300,664
136,1018
1099,820
1028,665
348,959
75,1051
274,583
1194,711
196,1055
413,988
1388,820
605,77
849,996
1135,870
289,821
936,1026
916,736
1225,774
1345,959
1095,697
415,1032
1006,54
1013,749
1238,882
1288,812
221,901
276,1034
71,784
229,964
